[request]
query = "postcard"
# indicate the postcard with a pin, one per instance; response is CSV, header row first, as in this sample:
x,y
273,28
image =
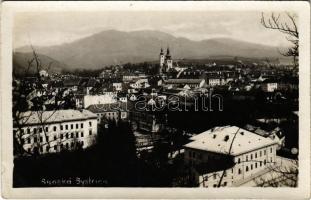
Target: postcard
x,y
174,99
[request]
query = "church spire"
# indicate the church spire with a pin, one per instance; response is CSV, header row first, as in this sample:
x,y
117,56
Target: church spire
x,y
161,53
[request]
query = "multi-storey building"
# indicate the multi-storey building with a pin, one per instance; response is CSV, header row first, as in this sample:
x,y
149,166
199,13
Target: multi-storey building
x,y
230,152
166,62
114,111
52,131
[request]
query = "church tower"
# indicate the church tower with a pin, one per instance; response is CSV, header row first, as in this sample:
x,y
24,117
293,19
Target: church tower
x,y
162,59
168,59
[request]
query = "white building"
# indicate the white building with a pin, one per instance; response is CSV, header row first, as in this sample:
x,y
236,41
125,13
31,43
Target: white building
x,y
43,73
117,86
239,154
56,130
106,98
140,83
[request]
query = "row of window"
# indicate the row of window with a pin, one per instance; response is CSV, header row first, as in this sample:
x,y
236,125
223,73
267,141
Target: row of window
x,y
62,127
61,146
61,136
255,155
247,168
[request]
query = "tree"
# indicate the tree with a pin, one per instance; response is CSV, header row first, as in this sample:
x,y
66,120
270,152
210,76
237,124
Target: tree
x,y
28,101
285,24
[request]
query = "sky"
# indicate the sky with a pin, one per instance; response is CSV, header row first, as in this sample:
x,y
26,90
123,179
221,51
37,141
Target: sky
x,y
54,28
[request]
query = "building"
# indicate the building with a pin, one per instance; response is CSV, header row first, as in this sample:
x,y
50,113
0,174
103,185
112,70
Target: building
x,y
269,85
166,62
115,111
181,83
43,73
240,154
55,130
106,98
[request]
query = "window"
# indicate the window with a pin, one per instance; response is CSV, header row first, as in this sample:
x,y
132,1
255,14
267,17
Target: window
x,y
239,160
247,168
46,129
54,128
251,166
28,130
90,124
265,162
47,138
82,143
271,159
256,165
29,140
66,126
251,156
214,176
71,126
260,154
72,134
225,183
256,155
61,146
61,136
67,135
77,134
81,125
34,130
72,144
61,127
260,164
246,157
239,171
34,139
47,148
77,126
81,134
40,130
67,145
271,150
55,147
90,132
41,139
264,152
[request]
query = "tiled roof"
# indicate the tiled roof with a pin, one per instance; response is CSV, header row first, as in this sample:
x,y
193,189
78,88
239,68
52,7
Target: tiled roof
x,y
184,81
99,108
34,117
219,140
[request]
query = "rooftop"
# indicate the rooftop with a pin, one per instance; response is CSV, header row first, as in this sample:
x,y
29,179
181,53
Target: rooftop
x,y
45,117
219,140
184,81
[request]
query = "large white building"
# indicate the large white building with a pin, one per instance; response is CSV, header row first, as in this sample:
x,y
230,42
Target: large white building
x,y
105,98
52,131
239,154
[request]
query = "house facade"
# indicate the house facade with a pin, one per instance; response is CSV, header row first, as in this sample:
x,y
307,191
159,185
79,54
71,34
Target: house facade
x,y
56,130
230,152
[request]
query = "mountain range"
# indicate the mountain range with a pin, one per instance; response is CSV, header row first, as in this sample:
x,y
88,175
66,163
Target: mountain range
x,y
118,47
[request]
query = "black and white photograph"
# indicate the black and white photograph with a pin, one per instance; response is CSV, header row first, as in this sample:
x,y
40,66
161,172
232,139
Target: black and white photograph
x,y
138,98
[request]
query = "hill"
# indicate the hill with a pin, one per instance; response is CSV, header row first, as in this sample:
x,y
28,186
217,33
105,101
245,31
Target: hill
x,y
117,47
20,63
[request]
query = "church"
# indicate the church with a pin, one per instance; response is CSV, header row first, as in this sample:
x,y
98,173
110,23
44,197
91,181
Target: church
x,y
166,62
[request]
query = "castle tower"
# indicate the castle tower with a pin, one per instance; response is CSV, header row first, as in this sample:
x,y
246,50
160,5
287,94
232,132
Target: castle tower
x,y
168,59
162,60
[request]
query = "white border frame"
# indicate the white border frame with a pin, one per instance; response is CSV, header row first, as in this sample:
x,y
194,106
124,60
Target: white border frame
x,y
303,189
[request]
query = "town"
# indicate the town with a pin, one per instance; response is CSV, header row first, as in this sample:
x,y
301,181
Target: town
x,y
225,122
